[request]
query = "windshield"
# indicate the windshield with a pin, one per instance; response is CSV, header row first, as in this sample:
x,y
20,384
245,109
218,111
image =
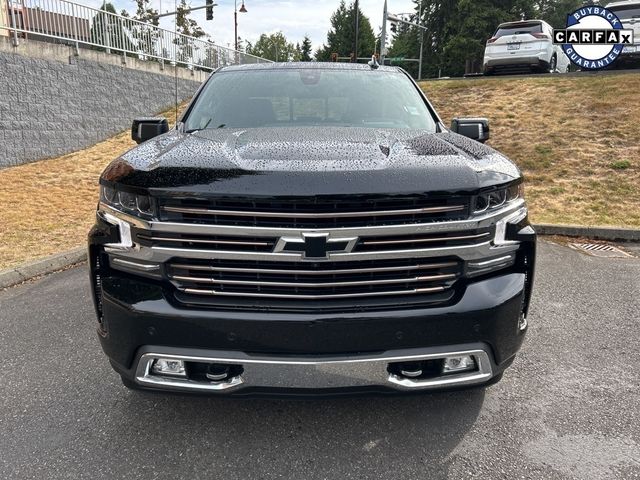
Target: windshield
x,y
626,12
309,97
518,29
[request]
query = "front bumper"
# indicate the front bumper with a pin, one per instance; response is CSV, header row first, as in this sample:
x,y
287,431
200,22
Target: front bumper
x,y
310,352
328,374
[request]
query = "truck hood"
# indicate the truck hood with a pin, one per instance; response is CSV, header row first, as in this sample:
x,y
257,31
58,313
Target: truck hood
x,y
310,161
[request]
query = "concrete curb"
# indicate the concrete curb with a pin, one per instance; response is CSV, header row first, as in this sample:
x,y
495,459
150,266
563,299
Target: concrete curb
x,y
59,261
597,233
46,265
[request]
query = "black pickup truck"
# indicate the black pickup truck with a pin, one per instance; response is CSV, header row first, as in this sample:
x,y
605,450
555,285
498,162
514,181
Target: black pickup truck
x,y
311,229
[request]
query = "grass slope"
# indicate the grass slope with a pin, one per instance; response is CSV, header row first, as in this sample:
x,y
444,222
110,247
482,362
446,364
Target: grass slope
x,y
576,139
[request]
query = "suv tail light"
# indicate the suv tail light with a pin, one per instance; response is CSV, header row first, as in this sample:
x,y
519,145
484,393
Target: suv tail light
x,y
492,39
541,36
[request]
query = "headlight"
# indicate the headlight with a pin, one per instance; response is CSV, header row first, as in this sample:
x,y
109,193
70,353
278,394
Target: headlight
x,y
140,205
498,198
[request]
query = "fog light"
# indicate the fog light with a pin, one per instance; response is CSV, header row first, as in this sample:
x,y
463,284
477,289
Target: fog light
x,y
167,366
458,364
217,372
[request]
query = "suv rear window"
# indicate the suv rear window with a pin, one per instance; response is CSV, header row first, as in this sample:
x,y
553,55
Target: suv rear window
x,y
626,12
518,28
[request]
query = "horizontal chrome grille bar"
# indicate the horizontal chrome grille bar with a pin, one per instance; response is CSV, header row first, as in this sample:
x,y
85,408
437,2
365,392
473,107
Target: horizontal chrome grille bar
x,y
198,291
312,272
375,213
424,240
206,241
266,283
465,251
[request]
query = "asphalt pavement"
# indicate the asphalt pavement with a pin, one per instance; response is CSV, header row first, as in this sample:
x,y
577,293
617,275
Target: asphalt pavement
x,y
567,408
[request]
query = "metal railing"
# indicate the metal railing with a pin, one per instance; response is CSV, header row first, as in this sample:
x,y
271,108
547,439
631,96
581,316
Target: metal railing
x,y
87,27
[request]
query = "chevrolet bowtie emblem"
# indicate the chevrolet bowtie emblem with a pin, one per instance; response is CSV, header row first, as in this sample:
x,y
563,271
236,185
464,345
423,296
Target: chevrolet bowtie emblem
x,y
315,246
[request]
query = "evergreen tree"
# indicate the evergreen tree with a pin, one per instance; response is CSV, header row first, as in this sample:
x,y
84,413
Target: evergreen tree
x,y
341,36
305,49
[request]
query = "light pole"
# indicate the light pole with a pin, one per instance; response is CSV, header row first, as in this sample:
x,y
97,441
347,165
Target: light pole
x,y
243,9
421,40
356,14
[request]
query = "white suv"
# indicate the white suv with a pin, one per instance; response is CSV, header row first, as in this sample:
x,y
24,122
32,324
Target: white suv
x,y
629,14
524,46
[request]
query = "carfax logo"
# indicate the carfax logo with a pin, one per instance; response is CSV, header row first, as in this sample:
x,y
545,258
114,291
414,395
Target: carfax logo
x,y
594,37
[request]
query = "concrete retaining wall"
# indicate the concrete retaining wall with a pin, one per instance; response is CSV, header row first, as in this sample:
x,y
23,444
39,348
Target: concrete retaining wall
x,y
53,101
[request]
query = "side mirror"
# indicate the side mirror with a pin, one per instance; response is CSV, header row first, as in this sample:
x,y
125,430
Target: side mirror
x,y
143,129
474,128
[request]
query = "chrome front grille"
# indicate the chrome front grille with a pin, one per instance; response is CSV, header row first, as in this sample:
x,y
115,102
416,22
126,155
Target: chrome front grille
x,y
313,280
371,244
315,212
212,263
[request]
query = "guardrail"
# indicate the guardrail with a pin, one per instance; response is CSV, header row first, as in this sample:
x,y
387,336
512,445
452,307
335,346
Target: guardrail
x,y
88,27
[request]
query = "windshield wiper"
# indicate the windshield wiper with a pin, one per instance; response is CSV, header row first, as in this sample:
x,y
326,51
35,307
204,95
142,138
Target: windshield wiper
x,y
198,129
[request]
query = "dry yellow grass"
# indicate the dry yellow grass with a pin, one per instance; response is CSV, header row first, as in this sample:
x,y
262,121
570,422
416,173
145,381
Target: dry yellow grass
x,y
577,140
47,207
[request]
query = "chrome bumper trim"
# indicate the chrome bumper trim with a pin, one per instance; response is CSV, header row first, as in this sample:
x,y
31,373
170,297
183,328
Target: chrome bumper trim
x,y
304,373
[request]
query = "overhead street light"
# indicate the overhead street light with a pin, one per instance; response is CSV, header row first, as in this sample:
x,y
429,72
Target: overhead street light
x,y
243,9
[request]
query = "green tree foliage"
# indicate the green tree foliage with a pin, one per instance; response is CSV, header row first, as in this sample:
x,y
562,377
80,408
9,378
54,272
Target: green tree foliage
x,y
268,46
186,25
144,12
457,30
106,30
146,35
341,36
305,49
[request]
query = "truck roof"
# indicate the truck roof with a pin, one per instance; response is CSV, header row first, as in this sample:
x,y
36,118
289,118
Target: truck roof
x,y
308,65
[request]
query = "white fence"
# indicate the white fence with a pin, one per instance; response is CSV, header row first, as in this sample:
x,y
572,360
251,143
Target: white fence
x,y
87,27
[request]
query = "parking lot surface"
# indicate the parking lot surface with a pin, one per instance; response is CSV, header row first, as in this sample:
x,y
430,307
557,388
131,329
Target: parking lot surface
x,y
568,408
